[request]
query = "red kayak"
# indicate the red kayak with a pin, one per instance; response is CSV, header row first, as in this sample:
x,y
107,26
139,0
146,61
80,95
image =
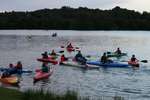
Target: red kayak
x,y
42,75
50,60
134,63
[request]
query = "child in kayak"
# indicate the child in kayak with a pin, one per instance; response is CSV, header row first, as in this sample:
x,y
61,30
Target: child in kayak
x,y
45,68
118,51
53,53
63,58
80,58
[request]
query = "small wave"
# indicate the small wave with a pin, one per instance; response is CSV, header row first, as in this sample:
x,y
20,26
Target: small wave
x,y
134,91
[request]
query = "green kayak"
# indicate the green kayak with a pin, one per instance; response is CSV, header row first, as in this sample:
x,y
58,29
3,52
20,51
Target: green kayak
x,y
113,54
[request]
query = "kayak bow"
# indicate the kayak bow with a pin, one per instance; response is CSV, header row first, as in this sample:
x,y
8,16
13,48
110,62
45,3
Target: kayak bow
x,y
12,80
113,64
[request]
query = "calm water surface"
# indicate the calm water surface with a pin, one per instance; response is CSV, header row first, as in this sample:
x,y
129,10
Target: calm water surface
x,y
27,45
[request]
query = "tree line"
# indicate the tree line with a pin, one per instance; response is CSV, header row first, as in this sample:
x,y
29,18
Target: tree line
x,y
82,18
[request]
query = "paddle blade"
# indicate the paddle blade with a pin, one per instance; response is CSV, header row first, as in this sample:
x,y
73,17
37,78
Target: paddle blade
x,y
88,56
77,47
62,51
144,61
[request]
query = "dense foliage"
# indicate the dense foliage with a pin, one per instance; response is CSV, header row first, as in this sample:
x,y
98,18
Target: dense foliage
x,y
80,18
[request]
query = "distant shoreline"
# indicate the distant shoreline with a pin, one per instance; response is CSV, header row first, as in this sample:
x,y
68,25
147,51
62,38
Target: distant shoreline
x,y
82,18
69,29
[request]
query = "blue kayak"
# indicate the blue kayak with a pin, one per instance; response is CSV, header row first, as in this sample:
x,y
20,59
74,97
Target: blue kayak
x,y
109,64
14,70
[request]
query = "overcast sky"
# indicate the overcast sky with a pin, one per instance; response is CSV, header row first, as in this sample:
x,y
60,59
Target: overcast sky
x,y
28,5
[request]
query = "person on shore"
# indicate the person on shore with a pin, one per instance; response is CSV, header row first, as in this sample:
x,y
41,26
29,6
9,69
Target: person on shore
x,y
45,68
80,58
118,51
45,55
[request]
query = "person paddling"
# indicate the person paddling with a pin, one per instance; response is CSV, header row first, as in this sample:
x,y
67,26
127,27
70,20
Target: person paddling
x,y
80,58
53,53
118,51
45,68
11,65
19,65
133,58
104,58
70,46
45,55
7,72
63,58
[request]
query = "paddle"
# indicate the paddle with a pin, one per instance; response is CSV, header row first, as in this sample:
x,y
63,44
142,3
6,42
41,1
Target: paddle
x,y
74,47
58,51
77,47
61,51
143,61
23,71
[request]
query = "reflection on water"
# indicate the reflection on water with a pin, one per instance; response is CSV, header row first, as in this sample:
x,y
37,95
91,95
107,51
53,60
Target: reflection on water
x,y
127,82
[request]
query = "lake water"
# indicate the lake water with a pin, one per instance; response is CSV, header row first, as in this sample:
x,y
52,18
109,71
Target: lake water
x,y
27,46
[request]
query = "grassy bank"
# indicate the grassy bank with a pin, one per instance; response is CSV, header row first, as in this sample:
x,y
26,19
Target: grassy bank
x,y
8,94
41,95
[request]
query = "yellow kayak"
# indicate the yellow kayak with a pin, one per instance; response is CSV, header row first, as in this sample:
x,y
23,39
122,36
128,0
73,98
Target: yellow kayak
x,y
13,80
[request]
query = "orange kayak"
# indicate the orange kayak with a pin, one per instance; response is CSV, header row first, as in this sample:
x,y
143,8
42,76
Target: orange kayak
x,y
134,63
13,80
